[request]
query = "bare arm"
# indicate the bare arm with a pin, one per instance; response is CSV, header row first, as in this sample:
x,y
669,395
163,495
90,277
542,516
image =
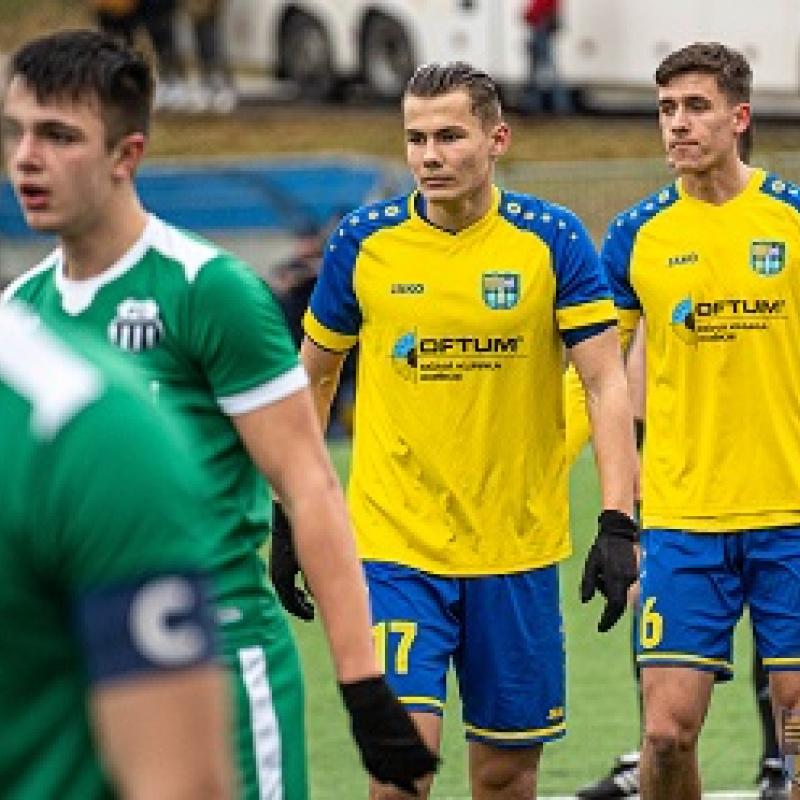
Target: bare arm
x,y
324,368
599,364
285,442
634,370
166,736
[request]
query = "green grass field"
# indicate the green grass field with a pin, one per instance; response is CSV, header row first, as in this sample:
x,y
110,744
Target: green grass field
x,y
602,711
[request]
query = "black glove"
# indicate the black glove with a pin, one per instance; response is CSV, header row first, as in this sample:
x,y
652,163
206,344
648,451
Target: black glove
x,y
284,568
391,747
610,567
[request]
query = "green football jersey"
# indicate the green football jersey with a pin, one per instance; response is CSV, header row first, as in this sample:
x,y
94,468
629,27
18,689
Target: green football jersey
x,y
210,341
80,503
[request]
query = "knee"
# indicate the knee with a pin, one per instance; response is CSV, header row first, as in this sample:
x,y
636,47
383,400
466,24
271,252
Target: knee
x,y
511,775
669,740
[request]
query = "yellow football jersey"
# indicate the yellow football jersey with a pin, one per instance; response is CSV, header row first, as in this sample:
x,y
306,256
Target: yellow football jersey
x,y
458,464
719,287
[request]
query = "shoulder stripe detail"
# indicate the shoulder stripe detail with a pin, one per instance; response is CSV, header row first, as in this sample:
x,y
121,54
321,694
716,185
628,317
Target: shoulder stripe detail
x,y
782,190
539,216
363,222
270,392
49,262
190,252
637,215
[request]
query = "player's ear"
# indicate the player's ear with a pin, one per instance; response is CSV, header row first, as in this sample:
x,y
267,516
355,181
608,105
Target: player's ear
x,y
741,117
500,136
127,154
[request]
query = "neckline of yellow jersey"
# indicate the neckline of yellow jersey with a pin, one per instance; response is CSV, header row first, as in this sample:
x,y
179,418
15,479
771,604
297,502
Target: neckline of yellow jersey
x,y
494,206
754,183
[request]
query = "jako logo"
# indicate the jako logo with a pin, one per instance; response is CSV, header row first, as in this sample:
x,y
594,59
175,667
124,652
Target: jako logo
x,y
408,288
683,261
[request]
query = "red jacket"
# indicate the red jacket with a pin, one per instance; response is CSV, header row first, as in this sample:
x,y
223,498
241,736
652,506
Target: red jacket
x,y
539,11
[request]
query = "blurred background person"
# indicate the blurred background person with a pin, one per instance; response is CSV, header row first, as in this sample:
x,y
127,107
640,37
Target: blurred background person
x,y
118,18
214,89
150,25
544,90
172,89
292,281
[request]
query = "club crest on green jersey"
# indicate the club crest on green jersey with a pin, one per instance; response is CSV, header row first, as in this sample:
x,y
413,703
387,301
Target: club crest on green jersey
x,y
501,289
767,257
136,326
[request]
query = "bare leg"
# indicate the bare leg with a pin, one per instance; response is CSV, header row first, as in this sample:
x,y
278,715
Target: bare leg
x,y
676,702
503,773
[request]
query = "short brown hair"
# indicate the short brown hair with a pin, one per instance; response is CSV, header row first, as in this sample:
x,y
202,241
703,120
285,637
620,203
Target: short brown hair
x,y
434,79
730,68
80,64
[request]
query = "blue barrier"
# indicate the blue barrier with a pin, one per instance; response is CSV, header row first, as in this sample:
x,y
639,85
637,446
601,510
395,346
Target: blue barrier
x,y
241,196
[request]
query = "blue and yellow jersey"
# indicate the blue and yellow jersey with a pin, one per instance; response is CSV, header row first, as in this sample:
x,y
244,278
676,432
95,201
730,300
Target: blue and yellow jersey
x,y
719,287
458,463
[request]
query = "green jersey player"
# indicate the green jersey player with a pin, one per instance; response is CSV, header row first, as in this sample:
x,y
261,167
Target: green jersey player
x,y
106,646
209,341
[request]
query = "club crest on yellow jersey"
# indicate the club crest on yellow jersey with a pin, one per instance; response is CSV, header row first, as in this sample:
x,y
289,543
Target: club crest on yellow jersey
x,y
501,290
767,258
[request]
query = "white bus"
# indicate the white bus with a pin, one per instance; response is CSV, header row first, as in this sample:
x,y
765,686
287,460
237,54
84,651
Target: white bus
x,y
606,49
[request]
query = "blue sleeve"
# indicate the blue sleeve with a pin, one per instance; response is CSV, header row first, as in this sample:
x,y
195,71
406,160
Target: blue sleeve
x,y
333,301
615,258
579,278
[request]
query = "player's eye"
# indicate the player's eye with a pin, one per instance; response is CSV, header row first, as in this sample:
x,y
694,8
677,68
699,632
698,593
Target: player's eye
x,y
60,134
697,104
450,136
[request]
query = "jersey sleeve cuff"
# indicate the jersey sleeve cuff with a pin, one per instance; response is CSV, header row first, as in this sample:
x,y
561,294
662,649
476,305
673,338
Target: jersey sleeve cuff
x,y
325,337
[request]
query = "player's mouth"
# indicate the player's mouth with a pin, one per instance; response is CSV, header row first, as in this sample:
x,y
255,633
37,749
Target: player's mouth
x,y
33,197
437,182
682,146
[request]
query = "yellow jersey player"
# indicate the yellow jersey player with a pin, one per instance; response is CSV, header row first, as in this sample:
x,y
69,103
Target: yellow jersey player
x,y
711,263
462,298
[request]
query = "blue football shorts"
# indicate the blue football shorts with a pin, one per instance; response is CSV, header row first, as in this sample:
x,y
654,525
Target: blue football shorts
x,y
503,635
694,587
